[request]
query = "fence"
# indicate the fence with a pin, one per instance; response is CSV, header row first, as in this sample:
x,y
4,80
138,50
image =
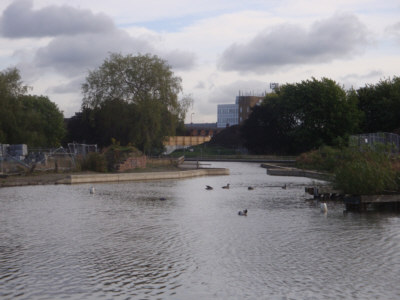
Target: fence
x,y
371,140
40,159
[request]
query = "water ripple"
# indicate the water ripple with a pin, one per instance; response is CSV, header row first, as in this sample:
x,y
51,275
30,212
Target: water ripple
x,y
125,243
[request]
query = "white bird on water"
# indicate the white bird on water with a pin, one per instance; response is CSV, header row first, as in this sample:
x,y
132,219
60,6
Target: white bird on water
x,y
91,190
324,207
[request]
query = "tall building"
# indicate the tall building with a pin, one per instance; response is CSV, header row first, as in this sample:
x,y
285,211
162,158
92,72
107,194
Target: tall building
x,y
234,114
228,115
245,104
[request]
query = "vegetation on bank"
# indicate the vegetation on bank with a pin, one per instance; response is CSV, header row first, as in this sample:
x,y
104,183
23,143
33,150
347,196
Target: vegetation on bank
x,y
108,159
356,171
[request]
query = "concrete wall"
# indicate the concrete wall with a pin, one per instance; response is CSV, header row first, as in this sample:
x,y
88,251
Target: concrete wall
x,y
116,177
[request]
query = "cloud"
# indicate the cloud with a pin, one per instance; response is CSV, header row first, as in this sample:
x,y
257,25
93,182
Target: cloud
x,y
72,86
394,30
226,94
72,55
340,36
178,59
20,20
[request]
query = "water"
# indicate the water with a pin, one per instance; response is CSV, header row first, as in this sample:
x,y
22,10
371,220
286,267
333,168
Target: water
x,y
123,242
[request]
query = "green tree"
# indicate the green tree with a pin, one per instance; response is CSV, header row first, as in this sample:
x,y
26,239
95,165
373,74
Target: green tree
x,y
40,122
381,105
27,119
148,84
301,117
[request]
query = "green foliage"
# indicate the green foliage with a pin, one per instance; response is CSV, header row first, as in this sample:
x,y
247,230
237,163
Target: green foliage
x,y
380,104
366,172
300,117
95,162
27,119
116,154
133,99
370,171
324,159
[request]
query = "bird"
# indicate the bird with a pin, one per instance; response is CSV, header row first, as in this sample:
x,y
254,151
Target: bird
x,y
324,207
209,187
226,186
163,199
242,212
284,186
250,188
91,190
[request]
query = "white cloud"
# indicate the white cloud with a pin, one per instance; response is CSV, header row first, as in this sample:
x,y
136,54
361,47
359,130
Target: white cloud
x,y
280,41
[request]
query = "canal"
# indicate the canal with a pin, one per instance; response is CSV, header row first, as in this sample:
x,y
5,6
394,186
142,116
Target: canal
x,y
173,239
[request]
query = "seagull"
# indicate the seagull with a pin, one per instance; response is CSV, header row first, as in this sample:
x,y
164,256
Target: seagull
x,y
226,186
91,190
209,187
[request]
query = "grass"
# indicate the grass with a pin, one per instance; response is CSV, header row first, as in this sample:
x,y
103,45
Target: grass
x,y
361,172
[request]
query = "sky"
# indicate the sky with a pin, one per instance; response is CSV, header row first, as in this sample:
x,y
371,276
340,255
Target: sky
x,y
217,47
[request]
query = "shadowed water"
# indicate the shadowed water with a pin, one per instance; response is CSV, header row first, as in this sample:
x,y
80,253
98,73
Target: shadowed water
x,y
123,242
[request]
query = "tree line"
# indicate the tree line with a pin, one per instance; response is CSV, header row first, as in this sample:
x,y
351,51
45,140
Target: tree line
x,y
134,100
303,116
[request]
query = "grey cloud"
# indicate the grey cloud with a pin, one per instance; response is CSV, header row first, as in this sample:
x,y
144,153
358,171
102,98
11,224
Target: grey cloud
x,y
371,74
179,60
72,55
337,37
20,20
200,85
73,86
226,94
394,30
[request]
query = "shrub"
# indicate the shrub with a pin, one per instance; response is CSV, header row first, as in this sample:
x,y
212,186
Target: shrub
x,y
94,162
366,172
323,159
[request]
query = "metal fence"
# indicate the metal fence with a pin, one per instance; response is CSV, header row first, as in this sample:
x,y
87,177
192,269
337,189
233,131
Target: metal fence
x,y
41,159
373,140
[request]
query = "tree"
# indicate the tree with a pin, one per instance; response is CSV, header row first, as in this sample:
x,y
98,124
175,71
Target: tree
x,y
381,105
301,117
40,122
148,84
27,119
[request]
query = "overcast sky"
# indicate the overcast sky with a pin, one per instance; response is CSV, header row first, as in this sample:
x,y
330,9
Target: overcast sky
x,y
217,47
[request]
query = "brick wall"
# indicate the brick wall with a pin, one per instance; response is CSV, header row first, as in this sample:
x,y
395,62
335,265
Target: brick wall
x,y
132,163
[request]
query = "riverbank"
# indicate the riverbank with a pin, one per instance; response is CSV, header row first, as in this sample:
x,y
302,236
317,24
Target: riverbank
x,y
276,169
92,177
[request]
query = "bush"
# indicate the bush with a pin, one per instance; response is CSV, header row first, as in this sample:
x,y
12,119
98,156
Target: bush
x,y
95,162
116,154
323,159
367,172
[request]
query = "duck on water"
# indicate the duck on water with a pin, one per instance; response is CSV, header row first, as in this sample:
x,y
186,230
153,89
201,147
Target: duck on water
x,y
242,212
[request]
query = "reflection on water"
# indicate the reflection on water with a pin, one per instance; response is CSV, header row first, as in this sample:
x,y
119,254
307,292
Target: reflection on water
x,y
123,242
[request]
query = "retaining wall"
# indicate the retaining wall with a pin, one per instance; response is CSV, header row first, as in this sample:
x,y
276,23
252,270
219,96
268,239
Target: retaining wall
x,y
93,178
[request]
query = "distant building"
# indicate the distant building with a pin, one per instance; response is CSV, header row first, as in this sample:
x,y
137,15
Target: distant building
x,y
234,114
202,129
228,115
246,103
